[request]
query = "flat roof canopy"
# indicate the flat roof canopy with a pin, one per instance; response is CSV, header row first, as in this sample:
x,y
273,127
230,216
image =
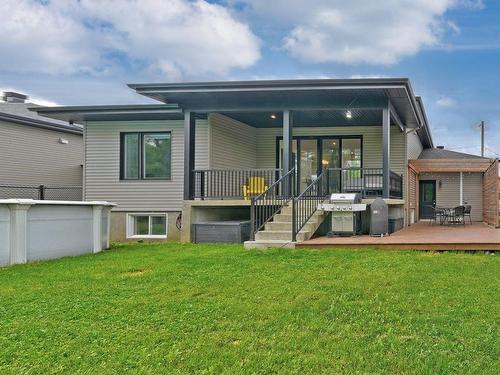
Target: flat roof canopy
x,y
319,94
80,114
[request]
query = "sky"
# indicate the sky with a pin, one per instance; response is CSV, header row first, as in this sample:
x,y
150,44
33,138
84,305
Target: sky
x,y
64,52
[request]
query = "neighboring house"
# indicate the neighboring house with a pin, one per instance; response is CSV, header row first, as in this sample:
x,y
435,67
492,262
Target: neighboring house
x,y
36,151
223,141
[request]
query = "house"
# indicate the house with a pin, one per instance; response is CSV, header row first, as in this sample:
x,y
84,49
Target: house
x,y
35,151
268,152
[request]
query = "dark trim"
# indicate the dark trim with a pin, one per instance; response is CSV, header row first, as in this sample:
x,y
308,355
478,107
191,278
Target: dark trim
x,y
189,153
140,157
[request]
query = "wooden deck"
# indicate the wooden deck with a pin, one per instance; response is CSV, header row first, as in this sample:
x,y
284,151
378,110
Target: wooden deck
x,y
420,236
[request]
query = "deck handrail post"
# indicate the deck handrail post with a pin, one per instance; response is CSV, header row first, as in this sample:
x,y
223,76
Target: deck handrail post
x,y
252,219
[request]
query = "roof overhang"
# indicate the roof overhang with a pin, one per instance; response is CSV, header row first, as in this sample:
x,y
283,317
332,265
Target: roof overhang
x,y
298,95
39,123
450,165
82,114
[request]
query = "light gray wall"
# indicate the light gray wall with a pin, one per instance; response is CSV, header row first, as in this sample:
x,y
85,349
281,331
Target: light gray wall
x,y
414,147
448,195
102,165
57,231
34,156
372,144
233,144
4,235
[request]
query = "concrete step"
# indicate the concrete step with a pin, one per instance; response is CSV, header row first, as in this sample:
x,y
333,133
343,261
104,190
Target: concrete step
x,y
281,225
282,235
287,210
268,244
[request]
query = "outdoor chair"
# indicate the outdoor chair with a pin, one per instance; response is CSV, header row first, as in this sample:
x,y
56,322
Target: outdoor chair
x,y
255,186
438,213
457,215
467,212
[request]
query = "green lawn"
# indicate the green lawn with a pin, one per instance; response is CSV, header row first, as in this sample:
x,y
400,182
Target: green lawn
x,y
220,309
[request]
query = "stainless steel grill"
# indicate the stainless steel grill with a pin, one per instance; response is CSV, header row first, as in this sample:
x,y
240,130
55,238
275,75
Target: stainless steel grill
x,y
346,213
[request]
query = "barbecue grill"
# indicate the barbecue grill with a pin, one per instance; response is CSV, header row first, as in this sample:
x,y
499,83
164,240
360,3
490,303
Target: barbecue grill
x,y
346,213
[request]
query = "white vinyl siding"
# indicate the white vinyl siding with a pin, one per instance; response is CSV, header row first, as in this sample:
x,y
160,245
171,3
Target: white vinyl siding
x,y
102,165
34,156
233,144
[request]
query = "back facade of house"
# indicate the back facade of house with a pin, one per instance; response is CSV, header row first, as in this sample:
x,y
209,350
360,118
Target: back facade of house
x,y
37,151
244,151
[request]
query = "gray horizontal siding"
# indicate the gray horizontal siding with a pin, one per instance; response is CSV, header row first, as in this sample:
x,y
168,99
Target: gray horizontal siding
x,y
102,165
233,144
34,156
473,194
414,146
448,195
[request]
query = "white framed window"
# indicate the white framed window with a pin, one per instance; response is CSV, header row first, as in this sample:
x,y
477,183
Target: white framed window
x,y
147,225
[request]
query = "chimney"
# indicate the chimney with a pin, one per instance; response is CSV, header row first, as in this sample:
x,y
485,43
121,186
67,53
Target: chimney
x,y
14,97
440,147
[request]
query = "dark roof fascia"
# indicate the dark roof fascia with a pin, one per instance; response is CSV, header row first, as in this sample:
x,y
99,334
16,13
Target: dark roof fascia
x,y
272,84
80,113
428,136
275,85
40,124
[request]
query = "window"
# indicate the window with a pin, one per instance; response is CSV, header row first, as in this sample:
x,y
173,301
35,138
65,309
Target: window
x,y
147,225
145,156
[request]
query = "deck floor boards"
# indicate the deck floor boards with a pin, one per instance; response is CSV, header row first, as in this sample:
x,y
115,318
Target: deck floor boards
x,y
420,236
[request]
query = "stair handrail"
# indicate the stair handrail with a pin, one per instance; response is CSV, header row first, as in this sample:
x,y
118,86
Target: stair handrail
x,y
306,203
268,203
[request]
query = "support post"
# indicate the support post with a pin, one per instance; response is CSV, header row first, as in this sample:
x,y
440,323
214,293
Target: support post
x,y
97,228
386,151
18,237
287,149
189,138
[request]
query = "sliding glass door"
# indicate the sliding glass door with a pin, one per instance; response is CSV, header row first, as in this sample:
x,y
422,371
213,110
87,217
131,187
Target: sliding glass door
x,y
320,152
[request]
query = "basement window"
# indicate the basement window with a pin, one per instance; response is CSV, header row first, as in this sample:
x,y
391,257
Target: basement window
x,y
147,225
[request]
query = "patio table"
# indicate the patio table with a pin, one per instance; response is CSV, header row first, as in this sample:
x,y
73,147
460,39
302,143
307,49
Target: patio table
x,y
447,213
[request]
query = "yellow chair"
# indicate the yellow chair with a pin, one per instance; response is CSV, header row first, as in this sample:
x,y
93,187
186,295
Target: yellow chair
x,y
256,186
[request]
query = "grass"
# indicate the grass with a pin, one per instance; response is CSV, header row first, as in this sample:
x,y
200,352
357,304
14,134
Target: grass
x,y
175,308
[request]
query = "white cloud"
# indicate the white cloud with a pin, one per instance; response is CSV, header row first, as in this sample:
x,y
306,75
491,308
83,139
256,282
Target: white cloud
x,y
359,31
446,102
174,37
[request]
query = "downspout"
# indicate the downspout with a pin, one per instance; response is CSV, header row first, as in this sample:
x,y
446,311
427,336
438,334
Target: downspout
x,y
461,188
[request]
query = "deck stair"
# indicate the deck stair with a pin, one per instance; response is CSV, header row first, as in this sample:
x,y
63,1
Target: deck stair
x,y
278,232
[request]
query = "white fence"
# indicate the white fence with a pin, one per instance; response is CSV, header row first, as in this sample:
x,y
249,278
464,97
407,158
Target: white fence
x,y
34,229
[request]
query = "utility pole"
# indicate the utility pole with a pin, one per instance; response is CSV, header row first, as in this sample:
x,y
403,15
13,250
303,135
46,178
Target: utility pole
x,y
481,125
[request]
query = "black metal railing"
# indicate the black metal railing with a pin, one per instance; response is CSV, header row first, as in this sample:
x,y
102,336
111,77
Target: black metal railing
x,y
306,203
264,206
369,182
41,192
232,183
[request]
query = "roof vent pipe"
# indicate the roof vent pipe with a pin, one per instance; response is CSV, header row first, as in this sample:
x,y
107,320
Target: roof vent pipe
x,y
440,147
14,97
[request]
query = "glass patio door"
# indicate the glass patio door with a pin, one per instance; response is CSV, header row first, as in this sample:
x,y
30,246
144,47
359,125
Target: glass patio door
x,y
330,158
308,166
311,155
